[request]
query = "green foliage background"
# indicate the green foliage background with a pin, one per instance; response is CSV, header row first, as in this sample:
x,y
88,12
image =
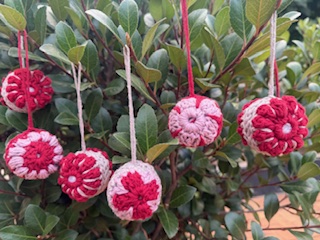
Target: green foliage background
x,y
205,191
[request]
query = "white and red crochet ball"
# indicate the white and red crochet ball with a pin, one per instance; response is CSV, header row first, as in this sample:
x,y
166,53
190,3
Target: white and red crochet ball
x,y
85,174
33,154
134,191
272,125
13,94
195,121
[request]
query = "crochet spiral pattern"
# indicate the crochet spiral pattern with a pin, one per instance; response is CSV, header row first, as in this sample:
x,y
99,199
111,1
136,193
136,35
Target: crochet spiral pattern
x,y
196,121
273,125
85,174
33,154
134,191
13,93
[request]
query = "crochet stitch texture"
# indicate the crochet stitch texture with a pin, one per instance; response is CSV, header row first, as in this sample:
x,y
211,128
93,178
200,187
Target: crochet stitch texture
x,y
85,174
33,154
134,191
13,94
195,121
272,125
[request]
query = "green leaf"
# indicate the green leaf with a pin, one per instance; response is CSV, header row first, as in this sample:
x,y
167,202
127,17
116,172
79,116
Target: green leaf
x,y
136,83
149,75
35,219
90,57
41,24
55,52
169,222
309,157
16,232
128,16
314,69
13,52
149,38
75,54
120,142
67,234
284,5
146,128
314,118
158,149
51,222
160,60
16,4
177,57
308,170
66,118
222,23
75,17
105,20
232,45
256,230
301,235
114,87
13,17
59,8
17,120
271,205
236,225
223,155
233,136
65,37
136,42
238,19
244,68
93,103
182,195
66,105
259,12
196,22
161,9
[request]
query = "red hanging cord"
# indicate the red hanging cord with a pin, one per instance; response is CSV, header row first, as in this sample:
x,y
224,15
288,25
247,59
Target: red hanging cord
x,y
276,76
187,39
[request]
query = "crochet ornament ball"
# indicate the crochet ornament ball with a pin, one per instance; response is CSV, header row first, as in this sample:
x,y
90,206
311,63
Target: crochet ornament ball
x,y
273,126
13,94
134,191
85,174
195,121
33,154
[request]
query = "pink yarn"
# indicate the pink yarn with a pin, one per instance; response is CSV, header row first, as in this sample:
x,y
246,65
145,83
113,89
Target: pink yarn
x,y
195,121
85,174
134,191
273,126
33,154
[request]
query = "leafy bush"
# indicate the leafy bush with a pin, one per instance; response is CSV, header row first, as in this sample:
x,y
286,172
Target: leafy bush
x,y
206,191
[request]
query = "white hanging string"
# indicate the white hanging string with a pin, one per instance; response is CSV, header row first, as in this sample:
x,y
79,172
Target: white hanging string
x,y
22,48
133,140
77,83
272,58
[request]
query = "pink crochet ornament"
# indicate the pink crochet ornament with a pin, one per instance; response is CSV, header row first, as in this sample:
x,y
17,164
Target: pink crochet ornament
x,y
195,120
35,153
84,174
134,190
273,125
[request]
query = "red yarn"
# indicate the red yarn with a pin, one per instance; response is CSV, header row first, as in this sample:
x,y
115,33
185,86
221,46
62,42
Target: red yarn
x,y
276,76
184,9
137,197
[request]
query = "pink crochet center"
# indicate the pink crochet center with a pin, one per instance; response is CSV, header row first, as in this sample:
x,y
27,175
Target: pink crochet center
x,y
272,125
85,174
196,121
33,154
134,191
13,94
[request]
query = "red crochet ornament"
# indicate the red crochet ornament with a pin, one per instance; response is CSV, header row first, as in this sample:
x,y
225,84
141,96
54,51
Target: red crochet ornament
x,y
134,191
33,154
196,121
13,93
273,125
85,174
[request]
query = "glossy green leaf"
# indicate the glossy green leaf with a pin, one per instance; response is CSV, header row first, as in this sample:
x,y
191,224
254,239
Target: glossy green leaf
x,y
13,52
301,235
35,219
90,57
222,23
75,54
66,105
169,222
314,118
314,69
17,233
51,222
149,38
232,45
76,19
105,20
13,17
244,68
308,170
259,12
271,205
159,60
161,9
67,234
93,103
182,195
136,42
256,230
224,156
177,57
284,5
146,128
238,19
17,120
114,87
128,15
120,142
66,118
158,149
59,8
236,225
16,4
41,24
233,136
54,52
310,156
196,22
149,75
65,37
